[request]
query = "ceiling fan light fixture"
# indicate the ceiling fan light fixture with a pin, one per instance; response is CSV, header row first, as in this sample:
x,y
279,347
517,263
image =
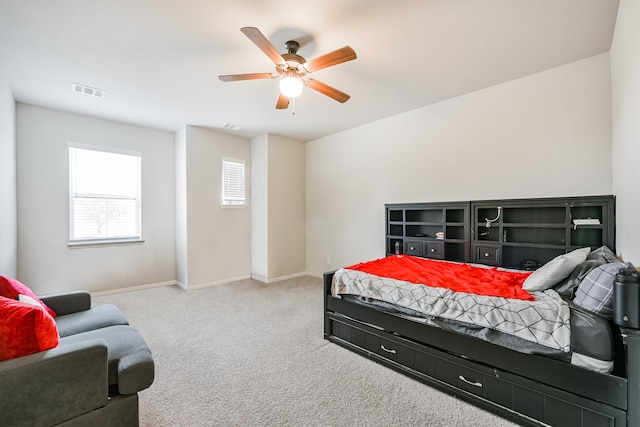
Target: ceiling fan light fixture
x,y
291,85
293,69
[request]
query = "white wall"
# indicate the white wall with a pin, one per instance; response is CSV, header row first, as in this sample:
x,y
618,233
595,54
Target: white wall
x,y
544,135
182,250
8,196
278,208
45,263
625,82
218,239
260,208
286,207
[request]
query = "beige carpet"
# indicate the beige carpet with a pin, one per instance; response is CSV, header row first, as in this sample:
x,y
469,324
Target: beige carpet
x,y
250,354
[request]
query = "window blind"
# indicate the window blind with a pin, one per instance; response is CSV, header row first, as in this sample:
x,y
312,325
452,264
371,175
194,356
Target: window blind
x,y
104,195
233,185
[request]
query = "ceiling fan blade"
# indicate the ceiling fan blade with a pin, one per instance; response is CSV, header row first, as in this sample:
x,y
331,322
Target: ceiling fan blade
x,y
252,76
325,89
283,102
263,43
332,58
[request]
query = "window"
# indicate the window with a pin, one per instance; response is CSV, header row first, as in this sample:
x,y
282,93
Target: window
x,y
233,191
104,195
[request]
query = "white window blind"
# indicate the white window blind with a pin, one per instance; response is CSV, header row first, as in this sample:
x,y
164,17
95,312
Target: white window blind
x,y
104,195
233,186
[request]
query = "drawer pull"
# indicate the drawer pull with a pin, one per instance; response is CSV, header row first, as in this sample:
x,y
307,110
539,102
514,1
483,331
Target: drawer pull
x,y
473,383
388,350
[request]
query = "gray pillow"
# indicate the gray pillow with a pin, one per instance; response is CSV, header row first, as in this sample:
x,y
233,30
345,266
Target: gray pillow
x,y
595,292
604,254
567,286
555,270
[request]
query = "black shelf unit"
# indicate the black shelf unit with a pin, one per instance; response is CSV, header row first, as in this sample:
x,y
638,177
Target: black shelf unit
x,y
521,233
430,230
527,233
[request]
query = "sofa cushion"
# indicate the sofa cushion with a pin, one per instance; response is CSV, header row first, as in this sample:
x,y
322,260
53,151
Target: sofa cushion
x,y
97,317
67,302
25,329
131,366
11,288
49,387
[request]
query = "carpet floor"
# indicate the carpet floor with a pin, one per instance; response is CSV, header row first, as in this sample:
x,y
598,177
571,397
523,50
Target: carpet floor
x,y
250,354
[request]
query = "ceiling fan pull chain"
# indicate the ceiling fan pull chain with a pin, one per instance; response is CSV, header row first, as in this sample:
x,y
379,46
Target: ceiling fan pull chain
x,y
293,106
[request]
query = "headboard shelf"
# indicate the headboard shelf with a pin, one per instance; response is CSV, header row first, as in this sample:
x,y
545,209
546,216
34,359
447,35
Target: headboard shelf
x,y
514,233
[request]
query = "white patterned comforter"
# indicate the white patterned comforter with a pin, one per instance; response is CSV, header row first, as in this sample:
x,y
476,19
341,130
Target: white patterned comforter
x,y
545,321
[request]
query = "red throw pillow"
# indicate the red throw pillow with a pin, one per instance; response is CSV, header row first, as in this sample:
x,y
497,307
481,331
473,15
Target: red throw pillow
x,y
11,288
25,329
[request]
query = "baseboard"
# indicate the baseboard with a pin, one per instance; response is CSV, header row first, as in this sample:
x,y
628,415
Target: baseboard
x,y
263,279
134,288
217,282
260,278
204,285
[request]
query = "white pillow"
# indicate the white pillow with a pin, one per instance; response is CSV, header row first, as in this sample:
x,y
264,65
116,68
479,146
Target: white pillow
x,y
27,299
555,270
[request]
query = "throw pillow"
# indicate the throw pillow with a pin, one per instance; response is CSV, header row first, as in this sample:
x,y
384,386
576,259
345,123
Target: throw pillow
x,y
595,292
567,286
25,329
604,254
27,299
555,270
11,288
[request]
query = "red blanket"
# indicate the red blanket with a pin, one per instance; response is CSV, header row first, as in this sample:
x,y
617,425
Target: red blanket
x,y
450,275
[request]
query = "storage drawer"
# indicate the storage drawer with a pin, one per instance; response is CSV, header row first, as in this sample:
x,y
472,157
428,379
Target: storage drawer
x,y
471,381
434,250
347,333
388,349
487,254
527,400
500,389
397,352
487,386
413,247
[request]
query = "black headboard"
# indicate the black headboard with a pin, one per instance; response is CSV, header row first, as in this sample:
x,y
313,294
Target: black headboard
x,y
513,233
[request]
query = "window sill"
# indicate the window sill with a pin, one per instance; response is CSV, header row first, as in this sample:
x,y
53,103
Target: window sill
x,y
103,243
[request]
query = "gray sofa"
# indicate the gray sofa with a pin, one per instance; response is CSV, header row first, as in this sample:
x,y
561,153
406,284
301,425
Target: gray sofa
x,y
91,378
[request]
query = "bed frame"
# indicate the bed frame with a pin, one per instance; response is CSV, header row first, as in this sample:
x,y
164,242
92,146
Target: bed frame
x,y
528,389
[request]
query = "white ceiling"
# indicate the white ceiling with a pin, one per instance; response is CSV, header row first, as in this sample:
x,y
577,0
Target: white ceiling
x,y
158,60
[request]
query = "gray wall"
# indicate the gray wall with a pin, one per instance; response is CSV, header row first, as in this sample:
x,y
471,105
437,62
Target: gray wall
x,y
493,143
45,262
625,82
278,208
544,135
215,241
8,196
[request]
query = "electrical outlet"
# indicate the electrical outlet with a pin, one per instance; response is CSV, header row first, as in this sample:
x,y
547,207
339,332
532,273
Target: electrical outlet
x,y
328,261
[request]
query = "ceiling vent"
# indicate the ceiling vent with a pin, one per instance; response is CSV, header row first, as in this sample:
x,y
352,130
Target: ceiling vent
x,y
87,90
230,127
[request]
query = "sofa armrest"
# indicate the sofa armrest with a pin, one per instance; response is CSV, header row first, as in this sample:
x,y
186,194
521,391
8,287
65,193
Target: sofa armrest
x,y
68,302
52,386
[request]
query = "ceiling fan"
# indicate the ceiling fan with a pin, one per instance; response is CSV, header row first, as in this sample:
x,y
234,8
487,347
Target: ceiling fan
x,y
293,68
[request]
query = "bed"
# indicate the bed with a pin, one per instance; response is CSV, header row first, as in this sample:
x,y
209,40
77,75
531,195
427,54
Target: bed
x,y
564,362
